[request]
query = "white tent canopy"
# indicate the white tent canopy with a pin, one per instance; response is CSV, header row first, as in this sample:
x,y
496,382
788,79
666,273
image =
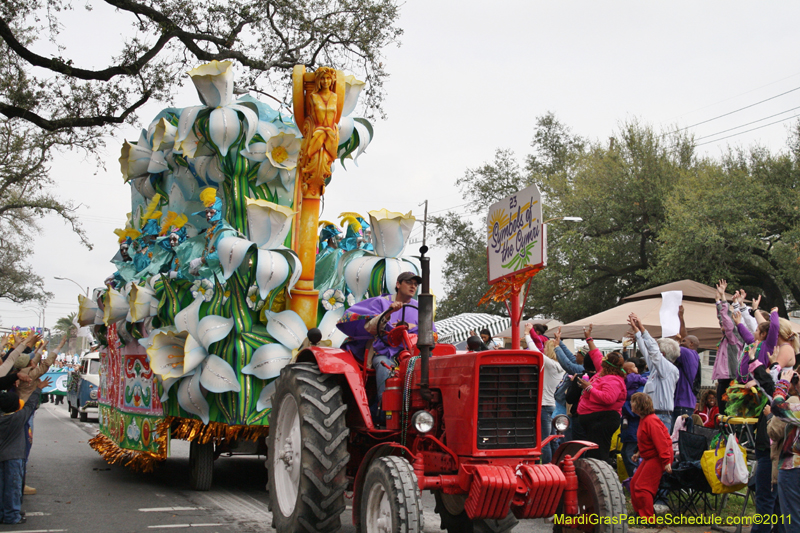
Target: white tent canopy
x,y
456,328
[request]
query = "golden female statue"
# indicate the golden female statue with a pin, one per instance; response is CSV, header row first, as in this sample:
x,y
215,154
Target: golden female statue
x,y
322,109
318,102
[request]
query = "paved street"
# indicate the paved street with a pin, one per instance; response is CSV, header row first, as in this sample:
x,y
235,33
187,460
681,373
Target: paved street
x,y
79,492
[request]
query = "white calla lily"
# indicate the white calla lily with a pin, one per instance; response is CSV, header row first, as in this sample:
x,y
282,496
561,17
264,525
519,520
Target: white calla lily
x,y
218,376
268,360
327,326
232,251
265,398
135,158
115,306
143,303
166,353
87,311
271,271
352,90
194,354
190,397
268,223
223,128
188,318
390,231
357,274
287,328
164,135
214,82
166,385
212,328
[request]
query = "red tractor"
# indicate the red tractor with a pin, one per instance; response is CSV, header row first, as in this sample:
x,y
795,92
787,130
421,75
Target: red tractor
x,y
462,425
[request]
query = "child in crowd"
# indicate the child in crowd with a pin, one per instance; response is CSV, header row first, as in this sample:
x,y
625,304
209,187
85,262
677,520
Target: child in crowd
x,y
655,450
12,449
708,409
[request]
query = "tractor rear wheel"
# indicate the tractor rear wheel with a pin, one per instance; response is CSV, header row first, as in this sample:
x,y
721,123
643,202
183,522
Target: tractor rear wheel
x,y
599,493
73,413
390,501
450,508
307,453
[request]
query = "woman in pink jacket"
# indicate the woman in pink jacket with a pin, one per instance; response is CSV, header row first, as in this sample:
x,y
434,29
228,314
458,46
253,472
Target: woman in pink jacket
x,y
600,406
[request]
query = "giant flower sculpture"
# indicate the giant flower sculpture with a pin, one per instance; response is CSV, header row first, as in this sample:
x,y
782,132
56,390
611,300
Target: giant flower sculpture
x,y
290,331
276,265
376,271
191,359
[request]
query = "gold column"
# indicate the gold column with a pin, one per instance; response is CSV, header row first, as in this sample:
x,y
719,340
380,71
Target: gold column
x,y
318,99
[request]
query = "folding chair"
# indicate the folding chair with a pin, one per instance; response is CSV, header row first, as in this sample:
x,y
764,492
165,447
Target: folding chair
x,y
686,489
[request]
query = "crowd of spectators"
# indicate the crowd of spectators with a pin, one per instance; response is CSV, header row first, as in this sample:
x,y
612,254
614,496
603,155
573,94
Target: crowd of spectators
x,y
645,388
20,387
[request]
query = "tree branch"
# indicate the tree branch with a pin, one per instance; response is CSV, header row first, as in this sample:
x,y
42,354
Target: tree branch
x,y
58,65
11,111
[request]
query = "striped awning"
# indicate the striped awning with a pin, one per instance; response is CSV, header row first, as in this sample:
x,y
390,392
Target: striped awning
x,y
456,328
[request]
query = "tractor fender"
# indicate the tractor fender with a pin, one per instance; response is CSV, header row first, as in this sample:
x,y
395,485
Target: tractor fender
x,y
376,452
337,361
575,448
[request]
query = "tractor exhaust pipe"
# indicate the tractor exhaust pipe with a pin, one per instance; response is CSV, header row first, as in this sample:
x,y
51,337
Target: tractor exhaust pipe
x,y
425,324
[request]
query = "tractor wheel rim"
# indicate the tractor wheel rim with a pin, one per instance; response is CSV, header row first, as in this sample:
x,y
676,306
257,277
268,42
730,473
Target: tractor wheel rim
x,y
286,464
379,517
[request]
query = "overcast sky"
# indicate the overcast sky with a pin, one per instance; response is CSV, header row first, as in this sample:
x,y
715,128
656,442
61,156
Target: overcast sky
x,y
471,77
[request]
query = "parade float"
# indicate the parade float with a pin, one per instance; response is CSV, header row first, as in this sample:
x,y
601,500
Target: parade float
x,y
224,266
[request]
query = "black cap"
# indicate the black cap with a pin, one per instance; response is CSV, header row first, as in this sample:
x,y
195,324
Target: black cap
x,y
406,276
9,401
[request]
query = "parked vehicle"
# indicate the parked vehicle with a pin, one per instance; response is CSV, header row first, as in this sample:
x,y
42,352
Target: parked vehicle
x,y
82,387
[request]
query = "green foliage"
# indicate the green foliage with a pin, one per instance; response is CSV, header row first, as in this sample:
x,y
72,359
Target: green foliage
x,y
652,213
26,197
464,268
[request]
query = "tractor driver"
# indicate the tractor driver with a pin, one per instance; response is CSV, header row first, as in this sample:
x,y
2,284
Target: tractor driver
x,y
360,324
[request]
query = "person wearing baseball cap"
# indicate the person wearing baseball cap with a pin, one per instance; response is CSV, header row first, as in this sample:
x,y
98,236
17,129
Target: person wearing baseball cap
x,y
360,324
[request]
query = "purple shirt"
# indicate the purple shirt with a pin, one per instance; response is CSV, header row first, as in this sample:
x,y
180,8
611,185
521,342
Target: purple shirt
x,y
354,319
688,365
765,349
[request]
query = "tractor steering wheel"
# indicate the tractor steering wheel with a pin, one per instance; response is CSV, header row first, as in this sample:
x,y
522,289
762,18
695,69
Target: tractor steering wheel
x,y
385,318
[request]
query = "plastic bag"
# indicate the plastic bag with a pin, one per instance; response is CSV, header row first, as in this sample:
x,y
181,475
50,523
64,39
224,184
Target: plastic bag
x,y
711,463
734,465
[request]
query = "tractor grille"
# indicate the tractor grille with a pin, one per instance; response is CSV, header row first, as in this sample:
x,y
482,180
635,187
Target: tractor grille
x,y
507,402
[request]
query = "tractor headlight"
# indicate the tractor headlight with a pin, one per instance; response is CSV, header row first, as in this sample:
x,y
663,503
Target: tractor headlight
x,y
422,421
561,423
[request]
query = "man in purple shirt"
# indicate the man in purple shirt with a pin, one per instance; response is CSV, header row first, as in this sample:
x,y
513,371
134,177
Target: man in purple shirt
x,y
688,363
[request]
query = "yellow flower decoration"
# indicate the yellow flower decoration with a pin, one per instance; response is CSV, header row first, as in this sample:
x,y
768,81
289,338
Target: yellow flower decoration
x,y
151,212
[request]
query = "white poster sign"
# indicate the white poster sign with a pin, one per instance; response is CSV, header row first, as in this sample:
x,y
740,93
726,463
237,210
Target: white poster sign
x,y
670,302
514,232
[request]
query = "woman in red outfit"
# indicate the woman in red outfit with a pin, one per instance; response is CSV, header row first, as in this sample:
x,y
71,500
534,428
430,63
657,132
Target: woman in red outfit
x,y
655,448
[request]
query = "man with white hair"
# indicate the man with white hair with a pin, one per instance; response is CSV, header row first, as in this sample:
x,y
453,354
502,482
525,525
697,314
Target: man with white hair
x,y
660,357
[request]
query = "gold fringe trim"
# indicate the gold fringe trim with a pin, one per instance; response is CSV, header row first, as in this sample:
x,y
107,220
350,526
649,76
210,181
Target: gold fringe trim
x,y
194,430
137,461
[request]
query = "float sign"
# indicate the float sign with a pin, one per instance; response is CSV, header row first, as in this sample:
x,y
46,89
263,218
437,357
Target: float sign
x,y
515,239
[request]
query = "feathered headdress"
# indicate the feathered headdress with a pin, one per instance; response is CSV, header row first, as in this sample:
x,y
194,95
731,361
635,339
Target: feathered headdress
x,y
352,220
173,220
329,230
150,212
128,231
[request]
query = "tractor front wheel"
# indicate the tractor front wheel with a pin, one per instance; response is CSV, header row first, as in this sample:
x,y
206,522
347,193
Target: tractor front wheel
x,y
599,493
390,501
450,508
307,453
